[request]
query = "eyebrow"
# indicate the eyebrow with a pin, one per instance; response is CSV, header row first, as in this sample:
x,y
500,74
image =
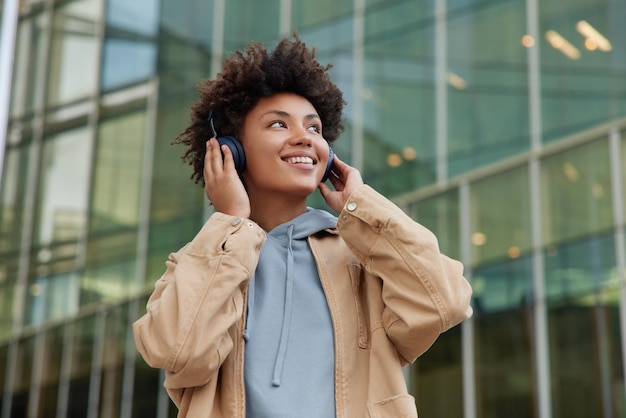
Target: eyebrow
x,y
284,114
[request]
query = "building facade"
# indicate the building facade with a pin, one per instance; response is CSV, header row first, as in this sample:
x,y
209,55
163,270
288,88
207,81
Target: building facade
x,y
498,124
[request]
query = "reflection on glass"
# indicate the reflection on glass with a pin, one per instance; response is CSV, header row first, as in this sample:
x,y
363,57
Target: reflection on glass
x,y
504,339
583,292
23,377
116,330
63,192
576,192
578,88
26,86
85,332
500,216
259,21
74,52
440,214
51,373
436,378
116,193
488,110
130,46
398,96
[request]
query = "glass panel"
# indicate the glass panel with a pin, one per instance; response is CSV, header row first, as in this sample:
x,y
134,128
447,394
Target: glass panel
x,y
436,378
440,214
23,377
487,83
63,191
51,297
130,46
113,361
82,353
26,86
116,193
576,192
74,52
53,356
504,286
147,384
398,96
504,339
581,72
315,15
500,212
246,21
4,354
12,210
583,291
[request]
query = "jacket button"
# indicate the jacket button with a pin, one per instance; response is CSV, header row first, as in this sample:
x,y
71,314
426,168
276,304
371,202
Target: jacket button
x,y
351,206
236,222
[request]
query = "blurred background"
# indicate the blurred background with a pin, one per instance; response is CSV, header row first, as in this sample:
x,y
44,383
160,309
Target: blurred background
x,y
498,124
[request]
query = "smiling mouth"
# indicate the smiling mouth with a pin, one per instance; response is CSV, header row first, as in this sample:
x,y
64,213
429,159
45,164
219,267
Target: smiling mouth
x,y
300,160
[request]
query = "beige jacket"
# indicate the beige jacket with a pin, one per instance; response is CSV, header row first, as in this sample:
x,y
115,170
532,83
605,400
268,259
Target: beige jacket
x,y
389,289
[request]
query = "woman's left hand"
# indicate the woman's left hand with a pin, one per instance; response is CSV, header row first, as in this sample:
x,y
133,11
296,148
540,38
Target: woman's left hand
x,y
345,179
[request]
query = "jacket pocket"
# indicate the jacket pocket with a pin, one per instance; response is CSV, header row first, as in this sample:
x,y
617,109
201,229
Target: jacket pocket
x,y
359,292
399,406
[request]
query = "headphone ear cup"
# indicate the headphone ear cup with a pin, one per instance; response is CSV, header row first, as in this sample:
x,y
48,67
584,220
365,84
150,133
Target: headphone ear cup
x,y
236,149
329,165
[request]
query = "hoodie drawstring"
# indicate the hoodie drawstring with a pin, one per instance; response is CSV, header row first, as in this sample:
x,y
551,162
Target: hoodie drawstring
x,y
284,335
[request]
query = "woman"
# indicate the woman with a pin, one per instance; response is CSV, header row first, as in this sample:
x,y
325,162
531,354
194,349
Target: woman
x,y
275,309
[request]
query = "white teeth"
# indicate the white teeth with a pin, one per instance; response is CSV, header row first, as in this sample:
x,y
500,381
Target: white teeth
x,y
304,160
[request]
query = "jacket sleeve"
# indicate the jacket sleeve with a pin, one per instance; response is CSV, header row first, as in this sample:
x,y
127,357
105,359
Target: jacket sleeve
x,y
197,300
424,292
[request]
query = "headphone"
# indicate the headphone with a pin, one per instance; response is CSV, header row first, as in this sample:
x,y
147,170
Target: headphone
x,y
239,156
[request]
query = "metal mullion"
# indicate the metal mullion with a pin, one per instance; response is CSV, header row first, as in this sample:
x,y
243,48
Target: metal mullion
x,y
467,326
617,186
358,60
34,392
540,316
95,375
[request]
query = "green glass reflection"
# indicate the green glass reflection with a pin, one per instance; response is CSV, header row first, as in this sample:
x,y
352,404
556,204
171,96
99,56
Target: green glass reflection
x,y
113,223
23,377
582,81
440,214
503,322
63,188
500,216
487,83
437,378
116,331
582,288
27,64
319,14
576,192
246,21
84,333
398,96
51,371
73,52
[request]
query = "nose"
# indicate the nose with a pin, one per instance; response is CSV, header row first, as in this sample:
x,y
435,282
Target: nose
x,y
302,137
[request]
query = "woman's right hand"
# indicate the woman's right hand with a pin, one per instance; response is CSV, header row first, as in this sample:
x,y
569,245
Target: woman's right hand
x,y
222,183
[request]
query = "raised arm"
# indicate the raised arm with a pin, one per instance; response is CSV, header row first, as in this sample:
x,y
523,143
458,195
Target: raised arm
x,y
197,300
424,291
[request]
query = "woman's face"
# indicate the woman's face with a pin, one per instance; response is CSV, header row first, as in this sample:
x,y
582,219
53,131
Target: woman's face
x,y
285,150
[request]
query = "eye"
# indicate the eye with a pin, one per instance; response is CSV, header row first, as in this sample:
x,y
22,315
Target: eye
x,y
315,128
277,124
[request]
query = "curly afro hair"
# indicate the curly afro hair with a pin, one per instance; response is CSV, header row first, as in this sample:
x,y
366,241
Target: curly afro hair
x,y
254,74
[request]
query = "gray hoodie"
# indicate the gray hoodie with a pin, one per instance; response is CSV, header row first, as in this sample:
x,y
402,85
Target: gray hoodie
x,y
289,353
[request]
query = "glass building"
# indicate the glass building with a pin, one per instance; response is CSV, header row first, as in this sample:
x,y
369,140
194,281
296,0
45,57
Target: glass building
x,y
498,124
